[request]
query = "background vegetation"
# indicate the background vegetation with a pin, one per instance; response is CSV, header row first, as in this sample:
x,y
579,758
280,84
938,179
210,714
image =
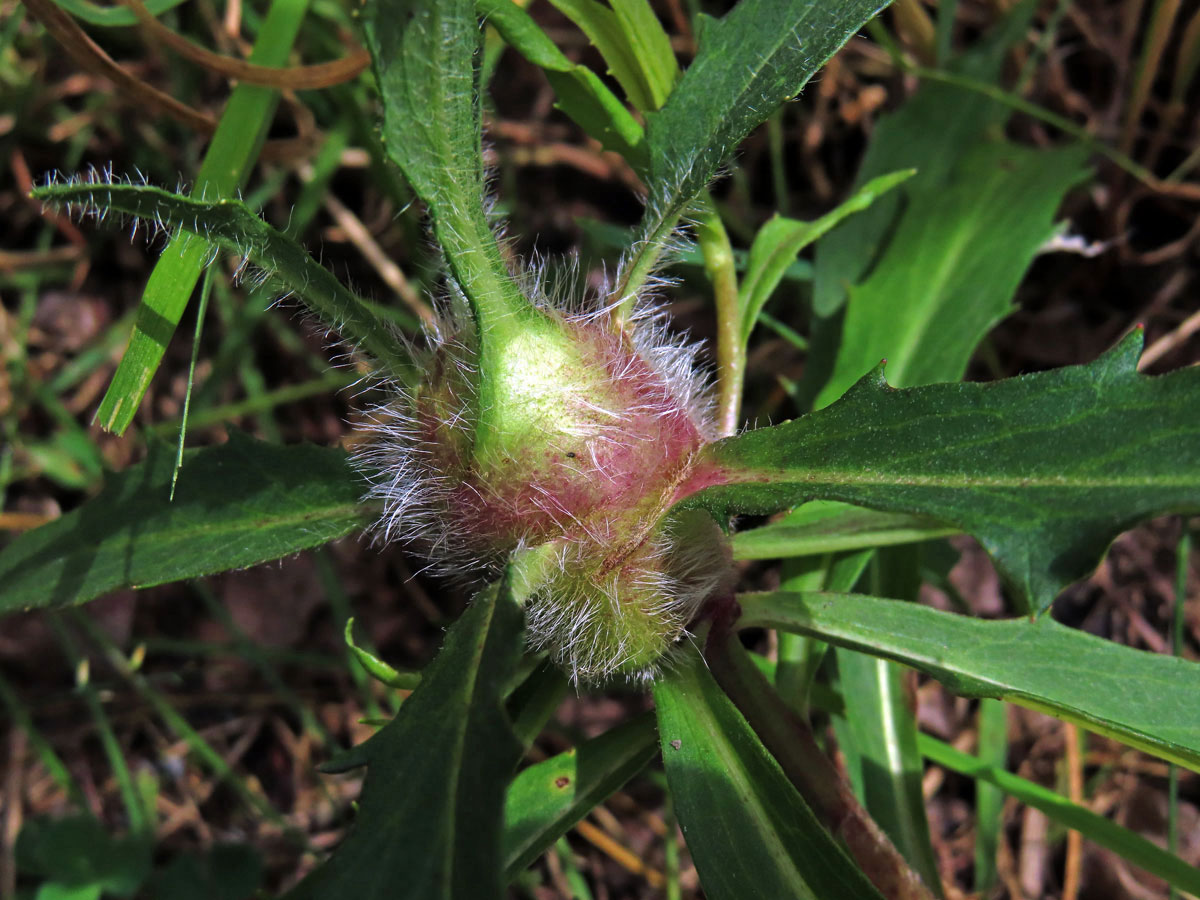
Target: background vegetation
x,y
186,721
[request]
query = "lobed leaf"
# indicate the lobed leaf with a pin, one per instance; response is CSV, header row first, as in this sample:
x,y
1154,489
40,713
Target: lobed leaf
x,y
1044,469
929,132
749,831
1143,699
236,505
431,810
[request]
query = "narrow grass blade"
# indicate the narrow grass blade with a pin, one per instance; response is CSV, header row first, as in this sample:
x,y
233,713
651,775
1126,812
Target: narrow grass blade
x,y
226,167
879,729
1128,844
112,16
989,801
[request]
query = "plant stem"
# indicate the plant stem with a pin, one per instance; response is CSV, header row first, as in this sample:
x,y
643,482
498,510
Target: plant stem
x,y
1182,552
791,742
731,350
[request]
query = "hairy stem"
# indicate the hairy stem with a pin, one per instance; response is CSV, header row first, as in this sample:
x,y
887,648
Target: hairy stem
x,y
790,740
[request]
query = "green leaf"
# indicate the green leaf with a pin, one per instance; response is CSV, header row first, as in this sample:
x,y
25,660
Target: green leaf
x,y
424,53
750,833
112,16
929,132
1143,699
951,271
992,747
1128,844
780,239
581,93
649,46
1044,469
758,55
548,798
823,526
878,732
376,667
431,810
226,872
232,225
606,33
80,852
226,167
236,505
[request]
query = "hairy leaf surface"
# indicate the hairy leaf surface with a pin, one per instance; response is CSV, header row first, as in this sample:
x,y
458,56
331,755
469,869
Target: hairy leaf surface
x,y
758,55
1044,469
232,225
424,53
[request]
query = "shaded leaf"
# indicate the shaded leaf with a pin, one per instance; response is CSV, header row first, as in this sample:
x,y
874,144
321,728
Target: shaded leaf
x,y
80,853
878,731
749,832
236,505
604,30
431,809
929,132
649,46
1044,469
547,798
780,239
581,93
824,526
226,872
1143,699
